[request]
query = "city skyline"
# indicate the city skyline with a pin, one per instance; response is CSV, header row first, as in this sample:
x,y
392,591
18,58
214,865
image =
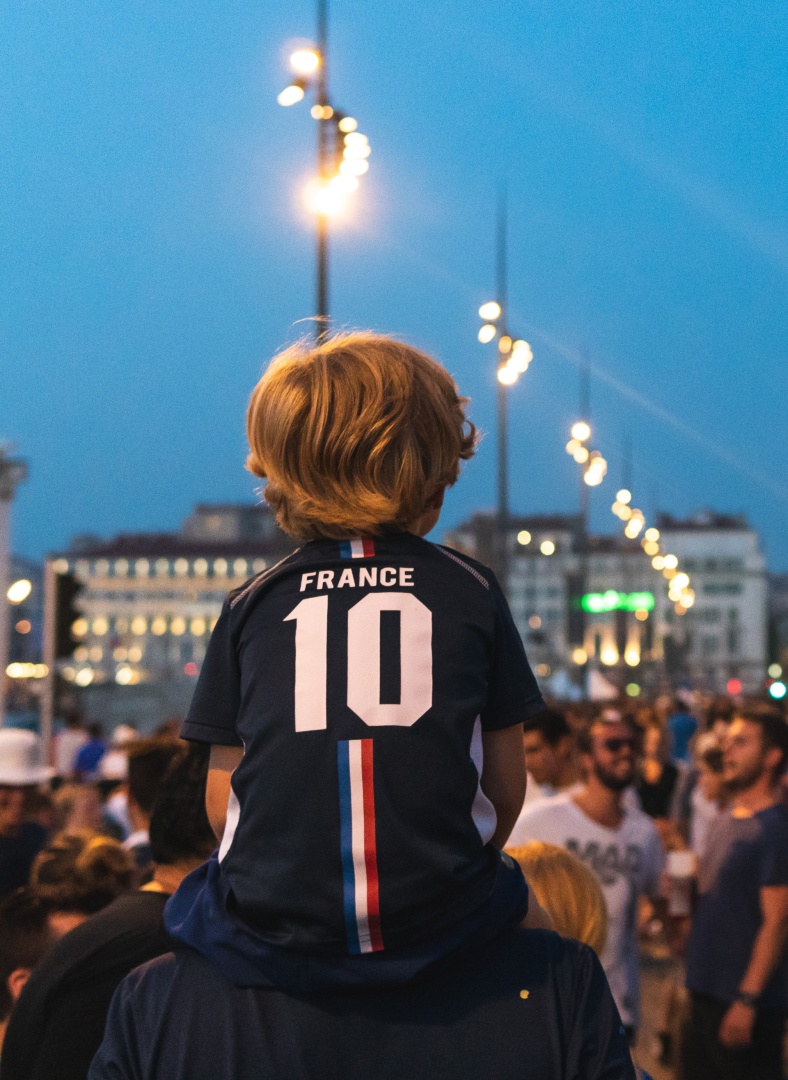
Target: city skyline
x,y
157,253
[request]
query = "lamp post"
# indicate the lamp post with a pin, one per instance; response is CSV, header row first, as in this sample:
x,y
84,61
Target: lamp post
x,y
12,472
514,356
342,153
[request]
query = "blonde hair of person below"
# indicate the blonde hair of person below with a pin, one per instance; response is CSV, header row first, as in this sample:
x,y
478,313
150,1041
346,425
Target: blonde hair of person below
x,y
567,890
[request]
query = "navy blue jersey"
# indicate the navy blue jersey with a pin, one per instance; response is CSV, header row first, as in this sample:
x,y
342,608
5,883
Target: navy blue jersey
x,y
359,677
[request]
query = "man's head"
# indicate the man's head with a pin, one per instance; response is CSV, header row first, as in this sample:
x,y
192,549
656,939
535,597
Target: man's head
x,y
24,939
357,436
755,750
149,760
180,833
548,746
609,747
12,809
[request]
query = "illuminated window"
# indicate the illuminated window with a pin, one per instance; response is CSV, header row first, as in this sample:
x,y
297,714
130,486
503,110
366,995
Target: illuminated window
x,y
181,567
139,625
159,626
178,626
141,567
201,567
220,567
100,626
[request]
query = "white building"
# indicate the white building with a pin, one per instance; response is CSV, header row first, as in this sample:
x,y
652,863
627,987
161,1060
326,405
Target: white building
x,y
148,603
626,627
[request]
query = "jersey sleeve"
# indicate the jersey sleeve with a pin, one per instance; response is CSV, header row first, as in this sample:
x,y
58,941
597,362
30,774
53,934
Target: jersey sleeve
x,y
214,709
513,694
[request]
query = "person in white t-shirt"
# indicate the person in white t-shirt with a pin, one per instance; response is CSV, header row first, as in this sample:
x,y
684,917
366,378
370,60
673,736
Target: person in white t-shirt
x,y
620,844
67,744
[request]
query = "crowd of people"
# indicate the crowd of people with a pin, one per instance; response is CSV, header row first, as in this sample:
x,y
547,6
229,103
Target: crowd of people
x,y
341,869
88,861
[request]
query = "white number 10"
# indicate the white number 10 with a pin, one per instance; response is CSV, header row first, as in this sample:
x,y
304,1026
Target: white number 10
x,y
363,660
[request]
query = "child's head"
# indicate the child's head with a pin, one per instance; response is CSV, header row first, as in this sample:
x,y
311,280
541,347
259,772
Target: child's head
x,y
357,436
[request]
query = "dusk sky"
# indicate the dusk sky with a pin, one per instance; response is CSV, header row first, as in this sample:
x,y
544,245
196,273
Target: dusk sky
x,y
156,251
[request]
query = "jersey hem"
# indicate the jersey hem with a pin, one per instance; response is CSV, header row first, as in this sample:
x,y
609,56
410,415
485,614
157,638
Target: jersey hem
x,y
206,733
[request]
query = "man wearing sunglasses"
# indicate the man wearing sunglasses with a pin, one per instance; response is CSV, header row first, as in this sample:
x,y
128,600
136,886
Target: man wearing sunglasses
x,y
618,842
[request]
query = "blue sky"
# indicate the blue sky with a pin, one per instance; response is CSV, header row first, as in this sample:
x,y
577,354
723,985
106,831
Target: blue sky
x,y
155,250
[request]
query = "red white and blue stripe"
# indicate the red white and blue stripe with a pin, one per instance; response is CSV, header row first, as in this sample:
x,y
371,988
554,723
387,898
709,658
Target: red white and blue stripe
x,y
361,889
357,549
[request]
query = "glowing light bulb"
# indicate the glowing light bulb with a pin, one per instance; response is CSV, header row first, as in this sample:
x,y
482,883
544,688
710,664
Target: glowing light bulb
x,y
490,311
291,95
325,199
354,166
487,333
305,61
581,431
507,375
347,124
19,591
624,496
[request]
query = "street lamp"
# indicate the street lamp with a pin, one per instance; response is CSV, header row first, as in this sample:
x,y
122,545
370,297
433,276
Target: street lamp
x,y
342,151
514,357
12,472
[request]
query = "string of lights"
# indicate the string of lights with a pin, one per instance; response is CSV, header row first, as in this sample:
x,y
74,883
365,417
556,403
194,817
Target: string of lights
x,y
348,158
634,520
515,354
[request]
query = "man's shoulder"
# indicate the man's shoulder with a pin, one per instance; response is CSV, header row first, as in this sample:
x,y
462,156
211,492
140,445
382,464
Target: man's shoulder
x,y
774,824
640,825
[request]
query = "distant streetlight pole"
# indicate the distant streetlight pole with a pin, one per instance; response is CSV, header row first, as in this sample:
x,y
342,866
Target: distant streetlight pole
x,y
514,356
12,472
342,153
322,171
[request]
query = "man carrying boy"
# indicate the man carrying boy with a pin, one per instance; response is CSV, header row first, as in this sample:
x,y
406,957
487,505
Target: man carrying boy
x,y
363,698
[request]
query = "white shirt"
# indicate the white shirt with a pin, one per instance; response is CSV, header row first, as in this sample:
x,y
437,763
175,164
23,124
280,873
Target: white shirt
x,y
67,744
628,862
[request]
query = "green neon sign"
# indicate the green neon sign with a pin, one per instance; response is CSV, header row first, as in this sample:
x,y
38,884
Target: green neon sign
x,y
611,600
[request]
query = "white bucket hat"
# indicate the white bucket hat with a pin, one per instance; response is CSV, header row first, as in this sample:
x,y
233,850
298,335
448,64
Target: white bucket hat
x,y
20,758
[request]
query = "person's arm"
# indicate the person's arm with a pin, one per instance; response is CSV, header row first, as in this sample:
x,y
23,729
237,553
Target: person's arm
x,y
224,760
503,777
737,1024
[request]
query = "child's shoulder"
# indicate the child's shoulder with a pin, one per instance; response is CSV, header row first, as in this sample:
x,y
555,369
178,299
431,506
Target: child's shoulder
x,y
239,599
477,570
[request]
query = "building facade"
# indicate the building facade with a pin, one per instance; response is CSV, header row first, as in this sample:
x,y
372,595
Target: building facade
x,y
596,603
147,604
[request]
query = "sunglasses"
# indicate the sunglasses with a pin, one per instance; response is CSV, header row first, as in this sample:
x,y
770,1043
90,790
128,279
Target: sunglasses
x,y
614,745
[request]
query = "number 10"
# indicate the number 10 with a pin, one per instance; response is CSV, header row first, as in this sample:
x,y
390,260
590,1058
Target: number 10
x,y
363,660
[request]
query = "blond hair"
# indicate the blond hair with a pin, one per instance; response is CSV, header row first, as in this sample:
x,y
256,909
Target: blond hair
x,y
567,890
355,436
81,871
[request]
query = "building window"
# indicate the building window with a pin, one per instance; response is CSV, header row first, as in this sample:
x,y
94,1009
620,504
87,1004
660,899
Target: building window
x,y
710,644
722,588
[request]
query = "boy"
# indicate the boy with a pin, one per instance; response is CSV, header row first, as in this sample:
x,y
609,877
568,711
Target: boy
x,y
363,698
